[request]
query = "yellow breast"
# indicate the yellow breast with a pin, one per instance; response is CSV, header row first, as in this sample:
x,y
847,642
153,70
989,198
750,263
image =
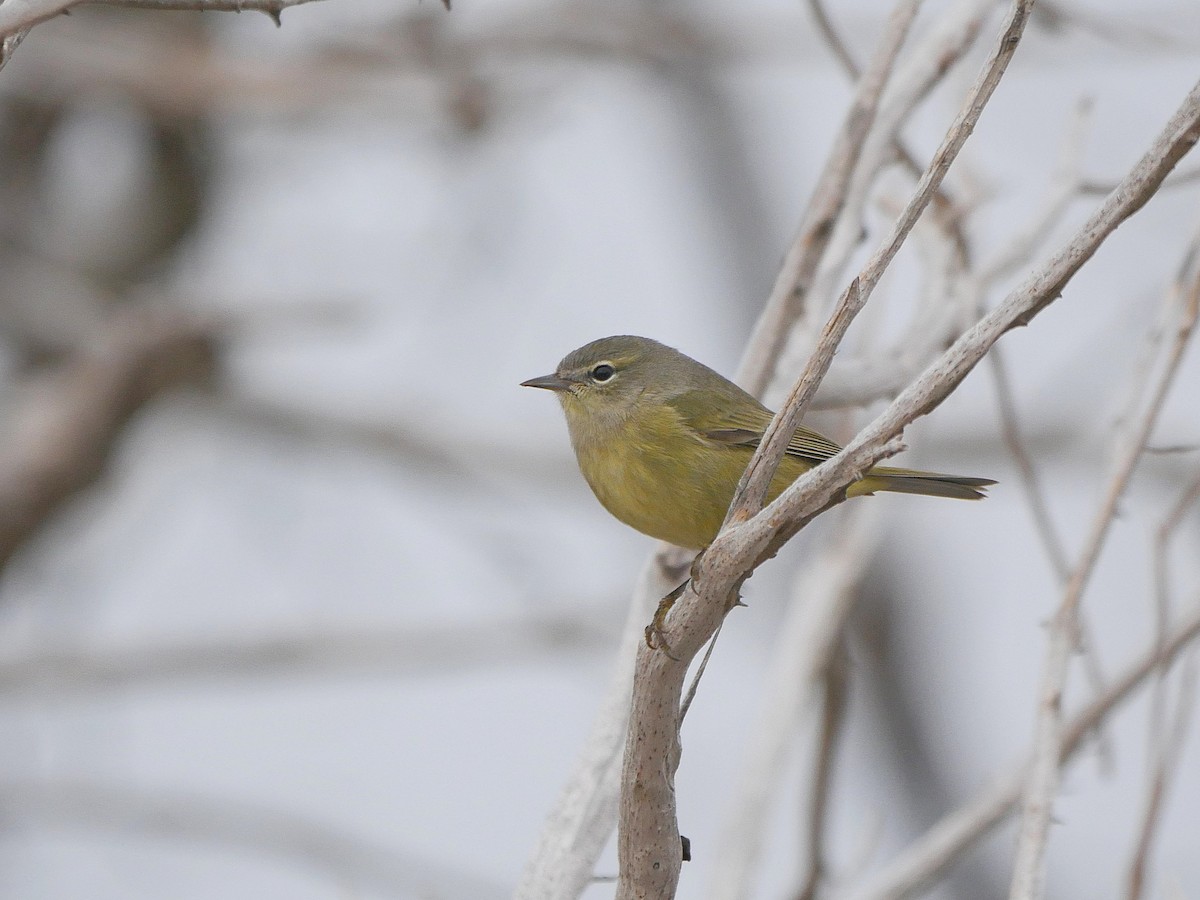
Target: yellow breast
x,y
657,475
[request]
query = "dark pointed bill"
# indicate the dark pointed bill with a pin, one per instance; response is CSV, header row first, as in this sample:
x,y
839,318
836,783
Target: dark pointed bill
x,y
548,382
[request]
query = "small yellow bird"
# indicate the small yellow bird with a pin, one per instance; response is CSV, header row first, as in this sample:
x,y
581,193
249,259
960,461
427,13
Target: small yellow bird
x,y
663,440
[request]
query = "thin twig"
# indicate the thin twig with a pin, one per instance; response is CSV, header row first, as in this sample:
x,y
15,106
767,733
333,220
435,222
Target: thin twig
x,y
1029,870
923,69
756,480
1103,188
1064,189
695,685
761,470
786,301
1165,748
19,15
944,843
833,715
649,840
842,53
1166,758
1162,545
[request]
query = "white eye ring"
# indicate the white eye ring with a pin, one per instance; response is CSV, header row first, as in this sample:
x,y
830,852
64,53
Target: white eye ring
x,y
602,372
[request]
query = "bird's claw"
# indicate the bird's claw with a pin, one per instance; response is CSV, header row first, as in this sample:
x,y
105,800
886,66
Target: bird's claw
x,y
655,632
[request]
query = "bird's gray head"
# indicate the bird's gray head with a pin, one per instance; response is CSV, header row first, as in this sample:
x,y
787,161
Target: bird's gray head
x,y
614,371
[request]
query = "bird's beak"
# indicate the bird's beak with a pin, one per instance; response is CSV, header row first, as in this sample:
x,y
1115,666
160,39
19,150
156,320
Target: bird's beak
x,y
548,382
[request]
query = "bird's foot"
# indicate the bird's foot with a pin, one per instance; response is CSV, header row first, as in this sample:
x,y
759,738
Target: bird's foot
x,y
655,637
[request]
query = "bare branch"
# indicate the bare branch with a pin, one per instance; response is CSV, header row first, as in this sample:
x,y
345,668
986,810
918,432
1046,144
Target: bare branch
x,y
785,304
1029,872
1167,754
931,59
757,478
819,486
832,719
354,862
650,758
394,651
21,15
924,860
648,836
585,812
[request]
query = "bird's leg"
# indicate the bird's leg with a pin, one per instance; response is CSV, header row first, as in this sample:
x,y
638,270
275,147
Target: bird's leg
x,y
654,631
672,567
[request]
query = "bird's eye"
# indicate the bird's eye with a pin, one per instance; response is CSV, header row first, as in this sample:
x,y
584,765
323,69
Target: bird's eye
x,y
603,372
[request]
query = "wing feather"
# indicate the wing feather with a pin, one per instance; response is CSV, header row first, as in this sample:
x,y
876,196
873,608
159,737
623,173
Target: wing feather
x,y
732,420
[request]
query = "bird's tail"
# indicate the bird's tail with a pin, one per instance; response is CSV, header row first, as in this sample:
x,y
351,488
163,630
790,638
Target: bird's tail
x,y
911,481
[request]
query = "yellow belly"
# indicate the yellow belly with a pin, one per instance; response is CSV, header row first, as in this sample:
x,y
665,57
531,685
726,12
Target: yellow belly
x,y
680,496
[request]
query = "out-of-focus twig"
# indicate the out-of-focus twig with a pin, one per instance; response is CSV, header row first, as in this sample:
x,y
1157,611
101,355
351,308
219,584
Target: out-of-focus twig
x,y
916,867
858,379
1029,871
1102,188
839,49
21,15
1166,754
417,650
66,431
354,862
1064,189
1020,250
833,714
1165,743
785,303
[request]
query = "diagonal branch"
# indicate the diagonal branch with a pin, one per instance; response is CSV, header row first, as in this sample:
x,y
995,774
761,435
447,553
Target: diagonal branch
x,y
1029,869
648,835
761,469
800,265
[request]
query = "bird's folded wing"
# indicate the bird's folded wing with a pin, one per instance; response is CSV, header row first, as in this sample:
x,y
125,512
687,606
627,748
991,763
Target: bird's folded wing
x,y
717,421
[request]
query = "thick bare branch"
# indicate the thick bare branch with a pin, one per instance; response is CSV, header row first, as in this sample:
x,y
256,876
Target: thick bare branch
x,y
761,470
585,812
648,836
727,563
824,591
